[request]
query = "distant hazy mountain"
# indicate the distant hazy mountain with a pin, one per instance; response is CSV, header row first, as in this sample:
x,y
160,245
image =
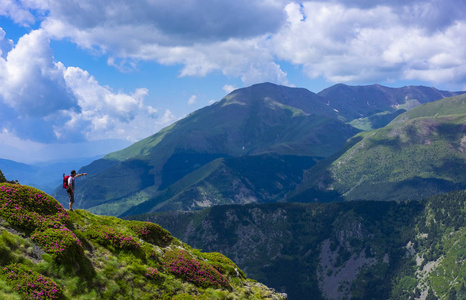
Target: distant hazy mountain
x,y
44,176
420,153
18,171
195,163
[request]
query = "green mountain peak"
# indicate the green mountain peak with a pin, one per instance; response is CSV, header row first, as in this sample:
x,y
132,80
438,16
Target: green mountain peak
x,y
420,153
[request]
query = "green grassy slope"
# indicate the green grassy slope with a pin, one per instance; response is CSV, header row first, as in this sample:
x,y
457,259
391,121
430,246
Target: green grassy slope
x,y
340,250
420,153
47,252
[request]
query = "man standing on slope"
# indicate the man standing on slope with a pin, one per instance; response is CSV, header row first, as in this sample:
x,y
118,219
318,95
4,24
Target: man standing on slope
x,y
70,189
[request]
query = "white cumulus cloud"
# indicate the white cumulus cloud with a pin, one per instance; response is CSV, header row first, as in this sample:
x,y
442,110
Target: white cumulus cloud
x,y
44,101
104,113
228,88
192,100
31,82
351,41
204,36
370,44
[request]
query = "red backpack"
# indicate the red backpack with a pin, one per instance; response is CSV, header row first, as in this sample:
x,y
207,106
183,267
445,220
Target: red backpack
x,y
65,181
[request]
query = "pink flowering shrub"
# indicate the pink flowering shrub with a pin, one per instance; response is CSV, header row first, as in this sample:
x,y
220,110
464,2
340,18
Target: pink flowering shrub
x,y
153,274
106,235
35,211
151,232
30,284
30,209
201,273
61,243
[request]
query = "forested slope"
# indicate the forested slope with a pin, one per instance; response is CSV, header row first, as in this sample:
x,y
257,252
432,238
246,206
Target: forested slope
x,y
357,249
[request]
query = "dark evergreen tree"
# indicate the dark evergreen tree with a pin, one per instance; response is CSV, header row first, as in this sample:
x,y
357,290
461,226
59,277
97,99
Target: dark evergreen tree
x,y
2,177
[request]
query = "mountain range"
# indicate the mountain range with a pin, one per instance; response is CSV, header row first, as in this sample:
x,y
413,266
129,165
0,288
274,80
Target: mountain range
x,y
257,145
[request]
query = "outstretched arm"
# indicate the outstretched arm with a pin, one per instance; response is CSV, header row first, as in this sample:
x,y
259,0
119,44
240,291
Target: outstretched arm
x,y
80,174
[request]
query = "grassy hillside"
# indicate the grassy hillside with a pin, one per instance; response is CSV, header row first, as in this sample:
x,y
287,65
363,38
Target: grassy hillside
x,y
420,153
341,250
47,252
237,180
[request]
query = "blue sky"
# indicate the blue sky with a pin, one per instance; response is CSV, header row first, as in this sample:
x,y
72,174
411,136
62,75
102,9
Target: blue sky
x,y
83,78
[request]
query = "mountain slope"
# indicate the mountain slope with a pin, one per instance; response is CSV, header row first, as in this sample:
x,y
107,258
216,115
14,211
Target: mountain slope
x,y
239,180
420,153
341,250
261,119
47,252
251,120
374,106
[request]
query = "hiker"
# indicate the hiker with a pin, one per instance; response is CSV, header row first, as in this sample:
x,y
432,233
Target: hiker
x,y
70,186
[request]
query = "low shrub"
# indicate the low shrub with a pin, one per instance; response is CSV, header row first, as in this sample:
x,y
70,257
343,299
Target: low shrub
x,y
151,232
153,274
61,243
201,273
30,284
106,235
30,209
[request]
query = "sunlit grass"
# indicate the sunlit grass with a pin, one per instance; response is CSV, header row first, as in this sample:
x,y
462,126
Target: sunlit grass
x,y
78,255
